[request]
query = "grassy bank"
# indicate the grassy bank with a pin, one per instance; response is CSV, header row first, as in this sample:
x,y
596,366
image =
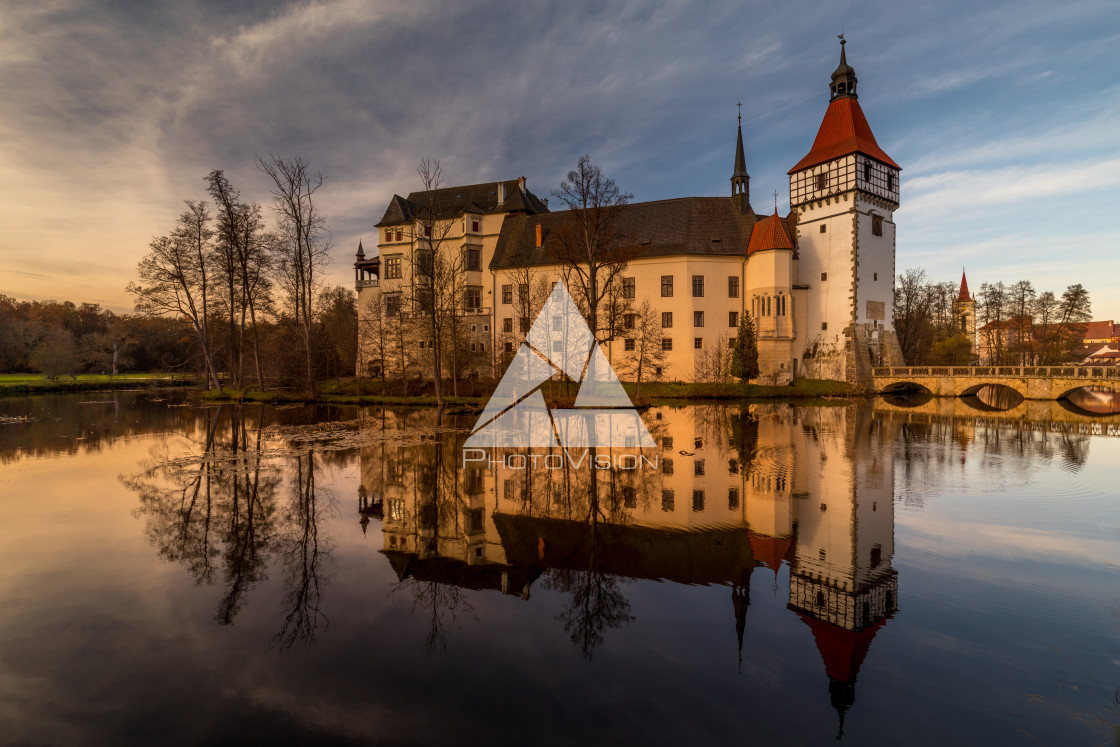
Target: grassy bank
x,y
349,392
39,384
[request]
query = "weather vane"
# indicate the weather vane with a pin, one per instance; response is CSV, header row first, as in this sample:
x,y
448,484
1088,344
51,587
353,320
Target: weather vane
x,y
775,200
740,105
840,36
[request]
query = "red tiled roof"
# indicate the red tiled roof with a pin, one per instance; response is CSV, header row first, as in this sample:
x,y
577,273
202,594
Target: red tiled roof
x,y
964,296
842,650
843,131
770,550
1099,330
769,234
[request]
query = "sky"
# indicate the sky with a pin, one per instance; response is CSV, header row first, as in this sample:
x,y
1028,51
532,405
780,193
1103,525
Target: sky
x,y
1003,116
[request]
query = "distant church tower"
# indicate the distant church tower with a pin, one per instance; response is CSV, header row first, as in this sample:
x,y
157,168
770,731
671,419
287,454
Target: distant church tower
x,y
964,311
740,179
844,193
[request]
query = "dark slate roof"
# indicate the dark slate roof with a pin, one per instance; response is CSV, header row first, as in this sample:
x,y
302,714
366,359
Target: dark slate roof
x,y
740,160
686,225
475,198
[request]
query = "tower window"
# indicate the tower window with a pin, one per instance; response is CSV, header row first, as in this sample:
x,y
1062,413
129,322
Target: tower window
x,y
824,326
824,276
875,276
823,228
822,181
890,182
876,225
698,343
867,172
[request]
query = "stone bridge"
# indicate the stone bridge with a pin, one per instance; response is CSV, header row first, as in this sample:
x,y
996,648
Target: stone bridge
x,y
1032,382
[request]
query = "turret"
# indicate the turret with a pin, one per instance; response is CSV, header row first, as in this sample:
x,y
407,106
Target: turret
x,y
740,179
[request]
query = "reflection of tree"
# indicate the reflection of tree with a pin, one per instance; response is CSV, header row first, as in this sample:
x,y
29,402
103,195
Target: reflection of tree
x,y
443,603
301,553
597,603
218,505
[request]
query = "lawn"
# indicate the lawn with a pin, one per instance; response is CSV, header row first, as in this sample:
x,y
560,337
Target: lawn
x,y
23,382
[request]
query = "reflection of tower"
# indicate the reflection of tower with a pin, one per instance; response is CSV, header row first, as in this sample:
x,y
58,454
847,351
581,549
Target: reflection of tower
x,y
964,312
841,582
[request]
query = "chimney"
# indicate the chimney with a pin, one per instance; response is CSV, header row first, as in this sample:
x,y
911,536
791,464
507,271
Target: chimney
x,y
521,183
501,192
540,233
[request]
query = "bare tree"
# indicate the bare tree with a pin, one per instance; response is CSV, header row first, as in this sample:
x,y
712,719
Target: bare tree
x,y
591,249
375,340
171,279
1021,298
302,251
645,351
992,312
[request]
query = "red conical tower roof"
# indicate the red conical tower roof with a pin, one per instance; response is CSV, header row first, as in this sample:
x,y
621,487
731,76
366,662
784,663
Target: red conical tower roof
x,y
964,296
842,650
844,131
769,233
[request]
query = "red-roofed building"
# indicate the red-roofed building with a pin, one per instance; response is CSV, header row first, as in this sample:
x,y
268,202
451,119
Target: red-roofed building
x,y
1102,333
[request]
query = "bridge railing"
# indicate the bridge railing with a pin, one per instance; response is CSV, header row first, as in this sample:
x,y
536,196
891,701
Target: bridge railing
x,y
1017,372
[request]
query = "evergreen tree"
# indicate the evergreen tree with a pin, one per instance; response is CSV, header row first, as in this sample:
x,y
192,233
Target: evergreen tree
x,y
744,356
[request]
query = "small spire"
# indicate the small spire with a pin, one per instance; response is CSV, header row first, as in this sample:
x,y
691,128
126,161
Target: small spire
x,y
844,76
740,179
775,202
361,252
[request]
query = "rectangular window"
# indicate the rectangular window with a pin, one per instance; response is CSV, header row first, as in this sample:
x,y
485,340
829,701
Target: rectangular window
x,y
697,500
824,276
890,182
698,343
509,347
822,180
698,467
388,234
629,344
629,497
823,228
666,499
732,287
698,319
628,287
733,319
507,324
824,326
666,343
474,260
393,267
628,321
732,498
523,294
473,299
667,466
525,325
474,226
507,294
667,442
876,225
400,235
424,261
666,286
697,286
392,305
657,371
666,319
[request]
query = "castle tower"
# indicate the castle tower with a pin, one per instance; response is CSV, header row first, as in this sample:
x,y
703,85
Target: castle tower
x,y
769,299
740,179
844,193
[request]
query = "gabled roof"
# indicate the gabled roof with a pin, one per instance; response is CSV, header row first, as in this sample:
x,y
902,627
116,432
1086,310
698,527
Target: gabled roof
x,y
843,131
1099,330
472,198
769,233
686,225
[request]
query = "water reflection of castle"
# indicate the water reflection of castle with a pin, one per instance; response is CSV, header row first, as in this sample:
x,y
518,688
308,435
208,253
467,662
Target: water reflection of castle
x,y
734,491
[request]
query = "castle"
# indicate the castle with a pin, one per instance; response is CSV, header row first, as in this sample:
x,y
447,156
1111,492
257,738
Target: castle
x,y
818,282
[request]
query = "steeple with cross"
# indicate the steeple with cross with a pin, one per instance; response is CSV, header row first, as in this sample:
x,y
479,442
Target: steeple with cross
x,y
740,180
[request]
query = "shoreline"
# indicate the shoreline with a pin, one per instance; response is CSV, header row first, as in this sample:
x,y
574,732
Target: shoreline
x,y
651,394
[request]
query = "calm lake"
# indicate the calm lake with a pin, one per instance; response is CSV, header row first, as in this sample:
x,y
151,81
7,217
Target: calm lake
x,y
935,574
